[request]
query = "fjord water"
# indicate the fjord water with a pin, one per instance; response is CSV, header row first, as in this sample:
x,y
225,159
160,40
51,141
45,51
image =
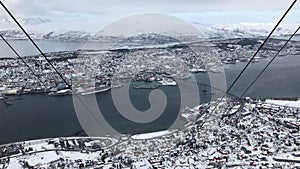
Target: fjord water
x,y
40,116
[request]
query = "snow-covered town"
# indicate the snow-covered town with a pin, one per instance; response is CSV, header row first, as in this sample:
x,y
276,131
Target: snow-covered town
x,y
97,69
127,84
237,134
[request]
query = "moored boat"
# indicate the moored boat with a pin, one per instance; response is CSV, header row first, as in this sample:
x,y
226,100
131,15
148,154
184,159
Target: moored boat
x,y
62,92
95,90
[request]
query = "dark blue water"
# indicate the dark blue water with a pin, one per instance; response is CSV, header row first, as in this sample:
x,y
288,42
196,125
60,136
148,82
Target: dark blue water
x,y
280,80
40,116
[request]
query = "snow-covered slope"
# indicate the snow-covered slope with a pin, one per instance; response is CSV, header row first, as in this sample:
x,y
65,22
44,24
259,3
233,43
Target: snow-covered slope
x,y
246,30
81,29
42,28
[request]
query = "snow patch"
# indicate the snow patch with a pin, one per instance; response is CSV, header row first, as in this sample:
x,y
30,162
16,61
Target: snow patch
x,y
284,102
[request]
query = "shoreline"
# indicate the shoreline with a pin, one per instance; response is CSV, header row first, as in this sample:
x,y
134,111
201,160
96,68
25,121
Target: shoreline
x,y
140,146
187,118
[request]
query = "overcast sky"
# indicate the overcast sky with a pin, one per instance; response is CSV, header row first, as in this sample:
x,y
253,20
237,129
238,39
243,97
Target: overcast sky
x,y
201,11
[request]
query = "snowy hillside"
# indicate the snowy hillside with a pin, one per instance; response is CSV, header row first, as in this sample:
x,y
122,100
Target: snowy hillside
x,y
246,30
81,29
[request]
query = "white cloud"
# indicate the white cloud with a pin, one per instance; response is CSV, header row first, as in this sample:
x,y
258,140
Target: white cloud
x,y
102,12
27,7
24,8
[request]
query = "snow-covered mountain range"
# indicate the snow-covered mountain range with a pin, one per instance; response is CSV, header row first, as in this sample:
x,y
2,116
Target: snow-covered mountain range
x,y
82,30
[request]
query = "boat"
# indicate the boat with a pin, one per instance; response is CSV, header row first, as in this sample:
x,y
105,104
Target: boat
x,y
167,82
95,90
11,92
195,70
62,92
230,61
244,59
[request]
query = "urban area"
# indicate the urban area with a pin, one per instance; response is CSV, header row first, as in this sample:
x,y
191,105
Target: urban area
x,y
237,134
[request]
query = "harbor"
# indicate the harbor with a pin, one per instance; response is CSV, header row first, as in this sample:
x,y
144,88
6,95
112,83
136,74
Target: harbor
x,y
272,141
162,65
48,118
